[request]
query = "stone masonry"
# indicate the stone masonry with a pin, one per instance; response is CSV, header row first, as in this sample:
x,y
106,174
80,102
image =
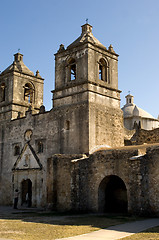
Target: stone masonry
x,y
73,158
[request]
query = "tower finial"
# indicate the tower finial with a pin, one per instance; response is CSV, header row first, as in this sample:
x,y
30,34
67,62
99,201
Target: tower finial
x,y
18,50
86,20
129,92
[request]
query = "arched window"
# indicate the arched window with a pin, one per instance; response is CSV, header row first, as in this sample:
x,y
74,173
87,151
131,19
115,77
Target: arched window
x,y
16,150
2,92
72,69
40,147
28,93
103,70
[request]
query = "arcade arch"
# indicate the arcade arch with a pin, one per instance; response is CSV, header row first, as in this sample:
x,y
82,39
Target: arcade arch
x,y
112,195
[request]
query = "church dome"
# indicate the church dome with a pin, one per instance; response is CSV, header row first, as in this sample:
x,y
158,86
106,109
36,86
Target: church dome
x,y
142,113
131,110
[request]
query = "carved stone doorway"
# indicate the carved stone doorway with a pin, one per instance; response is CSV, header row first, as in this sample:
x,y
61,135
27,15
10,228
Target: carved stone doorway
x,y
112,195
26,193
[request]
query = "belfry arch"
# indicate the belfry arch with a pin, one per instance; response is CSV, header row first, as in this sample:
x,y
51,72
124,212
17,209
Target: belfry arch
x,y
103,70
29,93
112,195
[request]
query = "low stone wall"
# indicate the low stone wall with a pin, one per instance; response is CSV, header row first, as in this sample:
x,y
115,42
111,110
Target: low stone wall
x,y
140,136
128,134
78,182
146,136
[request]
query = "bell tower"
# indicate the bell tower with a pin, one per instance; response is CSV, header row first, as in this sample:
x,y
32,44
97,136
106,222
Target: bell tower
x,y
86,76
19,90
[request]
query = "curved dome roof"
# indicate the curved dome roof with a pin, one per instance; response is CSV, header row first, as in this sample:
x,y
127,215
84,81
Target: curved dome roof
x,y
131,110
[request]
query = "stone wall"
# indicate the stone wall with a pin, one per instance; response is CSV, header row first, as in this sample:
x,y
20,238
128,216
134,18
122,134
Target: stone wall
x,y
17,79
77,181
62,130
146,136
62,186
140,136
105,126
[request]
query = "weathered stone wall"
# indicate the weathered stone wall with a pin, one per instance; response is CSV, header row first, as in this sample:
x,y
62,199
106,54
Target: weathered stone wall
x,y
62,182
38,190
145,183
99,166
62,130
62,78
146,136
106,126
15,102
101,119
151,185
86,117
13,135
128,134
18,93
80,179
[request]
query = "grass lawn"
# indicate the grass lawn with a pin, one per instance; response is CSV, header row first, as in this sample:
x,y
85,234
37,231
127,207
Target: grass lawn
x,y
35,226
149,234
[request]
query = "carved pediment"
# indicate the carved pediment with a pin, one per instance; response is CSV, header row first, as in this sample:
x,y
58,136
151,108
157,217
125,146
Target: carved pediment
x,y
27,159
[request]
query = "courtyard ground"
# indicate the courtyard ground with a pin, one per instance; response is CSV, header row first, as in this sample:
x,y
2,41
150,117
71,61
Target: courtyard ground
x,y
33,224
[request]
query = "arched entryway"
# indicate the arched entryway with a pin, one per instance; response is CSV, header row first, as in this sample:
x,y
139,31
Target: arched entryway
x,y
112,195
26,192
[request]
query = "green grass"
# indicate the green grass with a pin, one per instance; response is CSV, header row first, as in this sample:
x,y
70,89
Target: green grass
x,y
48,226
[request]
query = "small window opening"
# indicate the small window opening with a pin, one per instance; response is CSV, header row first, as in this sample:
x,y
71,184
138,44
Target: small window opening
x,y
73,72
2,92
28,93
16,150
72,69
67,125
103,70
100,72
130,100
40,147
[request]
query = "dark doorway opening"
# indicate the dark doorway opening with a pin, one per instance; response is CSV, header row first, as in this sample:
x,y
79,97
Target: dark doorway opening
x,y
26,193
112,195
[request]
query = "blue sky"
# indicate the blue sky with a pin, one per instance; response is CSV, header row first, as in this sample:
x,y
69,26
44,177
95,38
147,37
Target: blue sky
x,y
38,27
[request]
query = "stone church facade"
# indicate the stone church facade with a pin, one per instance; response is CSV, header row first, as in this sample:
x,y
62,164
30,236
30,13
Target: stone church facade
x,y
73,157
